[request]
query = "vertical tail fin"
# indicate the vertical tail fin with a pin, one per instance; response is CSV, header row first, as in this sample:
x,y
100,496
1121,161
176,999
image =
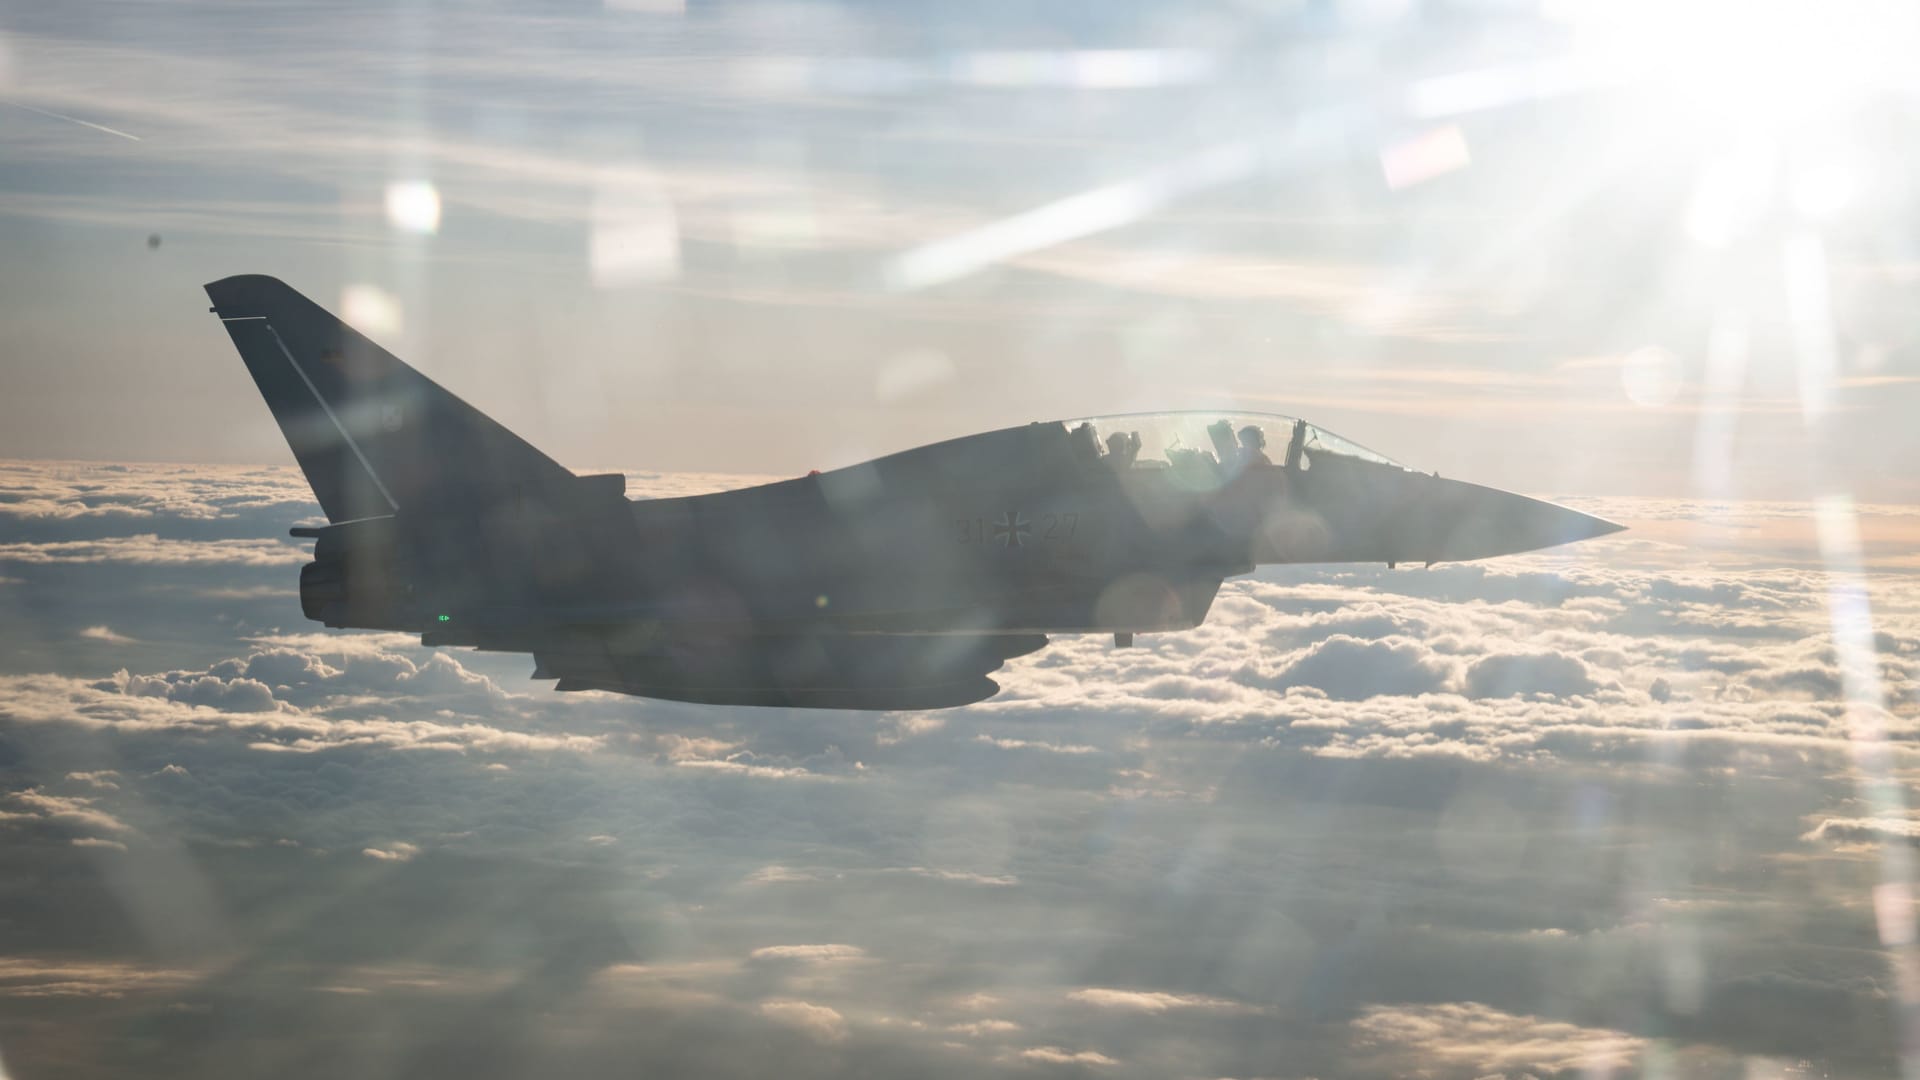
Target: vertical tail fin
x,y
371,433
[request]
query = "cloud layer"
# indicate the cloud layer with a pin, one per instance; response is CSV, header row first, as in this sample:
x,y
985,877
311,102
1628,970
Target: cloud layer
x,y
1590,810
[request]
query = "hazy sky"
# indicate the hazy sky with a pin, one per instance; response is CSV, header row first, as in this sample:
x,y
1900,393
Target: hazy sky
x,y
1591,248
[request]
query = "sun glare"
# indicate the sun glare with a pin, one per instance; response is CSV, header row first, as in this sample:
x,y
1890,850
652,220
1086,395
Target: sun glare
x,y
1777,64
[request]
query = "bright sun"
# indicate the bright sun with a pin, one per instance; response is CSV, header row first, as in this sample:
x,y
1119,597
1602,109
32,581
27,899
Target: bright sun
x,y
1777,64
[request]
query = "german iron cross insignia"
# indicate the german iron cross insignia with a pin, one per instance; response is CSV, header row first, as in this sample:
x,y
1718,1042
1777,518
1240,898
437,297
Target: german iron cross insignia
x,y
1012,529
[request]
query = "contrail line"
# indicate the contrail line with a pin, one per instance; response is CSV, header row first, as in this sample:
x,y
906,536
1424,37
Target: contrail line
x,y
73,120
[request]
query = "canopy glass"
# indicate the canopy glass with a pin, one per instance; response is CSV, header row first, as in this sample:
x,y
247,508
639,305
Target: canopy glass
x,y
1174,439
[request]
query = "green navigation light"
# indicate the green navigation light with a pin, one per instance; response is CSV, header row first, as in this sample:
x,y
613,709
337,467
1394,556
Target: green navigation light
x,y
446,618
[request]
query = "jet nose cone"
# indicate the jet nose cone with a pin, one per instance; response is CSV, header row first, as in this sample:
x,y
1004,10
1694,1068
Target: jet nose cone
x,y
1552,524
1479,522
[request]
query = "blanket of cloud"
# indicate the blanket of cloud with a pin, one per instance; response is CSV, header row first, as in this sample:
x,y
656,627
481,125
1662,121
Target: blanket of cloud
x,y
1604,811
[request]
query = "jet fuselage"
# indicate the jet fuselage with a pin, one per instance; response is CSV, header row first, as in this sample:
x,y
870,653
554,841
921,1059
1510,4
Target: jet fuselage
x,y
896,583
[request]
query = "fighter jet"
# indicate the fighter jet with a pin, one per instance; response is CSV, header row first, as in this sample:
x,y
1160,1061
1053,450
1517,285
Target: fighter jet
x,y
899,583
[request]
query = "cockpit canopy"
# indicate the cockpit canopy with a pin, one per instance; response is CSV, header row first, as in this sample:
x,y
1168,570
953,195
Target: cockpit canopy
x,y
1184,439
1199,451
